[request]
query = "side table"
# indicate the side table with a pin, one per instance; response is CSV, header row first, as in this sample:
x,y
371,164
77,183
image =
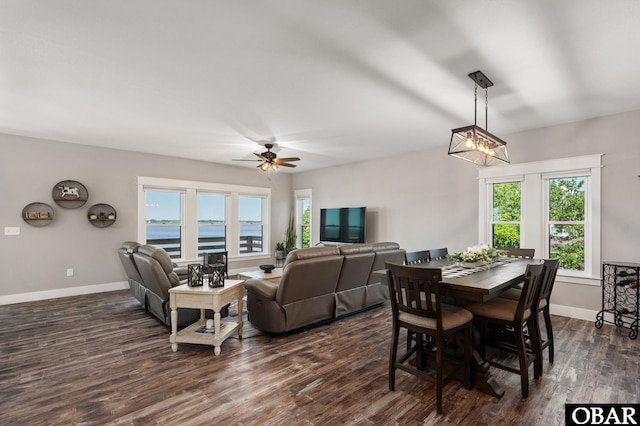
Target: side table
x,y
205,297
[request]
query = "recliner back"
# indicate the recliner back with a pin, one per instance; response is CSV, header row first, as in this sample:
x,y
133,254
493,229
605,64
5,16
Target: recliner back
x,y
156,270
317,267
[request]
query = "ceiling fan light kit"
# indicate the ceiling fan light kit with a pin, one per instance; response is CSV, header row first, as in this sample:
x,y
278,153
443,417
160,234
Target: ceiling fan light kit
x,y
474,144
270,160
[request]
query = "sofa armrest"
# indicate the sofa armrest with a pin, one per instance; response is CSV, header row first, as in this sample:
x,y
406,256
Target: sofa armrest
x,y
263,288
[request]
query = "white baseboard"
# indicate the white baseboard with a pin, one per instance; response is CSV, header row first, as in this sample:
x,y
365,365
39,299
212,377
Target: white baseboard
x,y
62,292
572,312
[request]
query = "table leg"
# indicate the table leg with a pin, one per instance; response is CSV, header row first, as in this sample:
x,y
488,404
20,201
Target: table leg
x,y
240,323
481,375
174,328
216,331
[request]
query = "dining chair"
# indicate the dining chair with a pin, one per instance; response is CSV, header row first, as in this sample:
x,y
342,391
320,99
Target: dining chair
x,y
417,307
522,253
543,301
517,315
438,254
416,257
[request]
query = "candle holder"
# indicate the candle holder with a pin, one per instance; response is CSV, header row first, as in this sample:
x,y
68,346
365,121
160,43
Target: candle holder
x,y
195,275
215,272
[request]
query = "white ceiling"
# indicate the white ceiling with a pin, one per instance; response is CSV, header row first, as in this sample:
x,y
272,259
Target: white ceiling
x,y
332,82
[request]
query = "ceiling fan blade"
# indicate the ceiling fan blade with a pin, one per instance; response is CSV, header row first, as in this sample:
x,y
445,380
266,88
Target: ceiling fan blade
x,y
236,159
286,164
286,159
260,157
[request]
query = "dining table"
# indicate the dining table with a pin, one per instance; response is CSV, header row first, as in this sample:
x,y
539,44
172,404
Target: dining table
x,y
478,283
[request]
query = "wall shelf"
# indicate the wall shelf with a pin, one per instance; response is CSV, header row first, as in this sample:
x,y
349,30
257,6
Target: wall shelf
x,y
37,214
69,194
102,215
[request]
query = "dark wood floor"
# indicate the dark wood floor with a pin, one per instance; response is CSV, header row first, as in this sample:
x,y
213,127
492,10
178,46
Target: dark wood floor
x,y
98,359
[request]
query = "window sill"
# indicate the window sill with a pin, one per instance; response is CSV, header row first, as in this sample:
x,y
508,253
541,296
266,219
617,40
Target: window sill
x,y
573,279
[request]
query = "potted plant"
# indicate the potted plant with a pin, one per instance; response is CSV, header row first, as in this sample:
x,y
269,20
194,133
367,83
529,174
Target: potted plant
x,y
92,216
290,235
280,250
111,216
102,216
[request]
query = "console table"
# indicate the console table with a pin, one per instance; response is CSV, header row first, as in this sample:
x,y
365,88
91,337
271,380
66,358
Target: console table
x,y
205,297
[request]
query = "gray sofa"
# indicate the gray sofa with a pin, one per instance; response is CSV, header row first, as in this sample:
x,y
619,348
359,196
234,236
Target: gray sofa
x,y
319,284
151,274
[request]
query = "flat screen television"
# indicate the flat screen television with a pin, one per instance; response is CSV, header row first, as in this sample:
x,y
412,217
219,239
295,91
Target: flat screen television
x,y
343,225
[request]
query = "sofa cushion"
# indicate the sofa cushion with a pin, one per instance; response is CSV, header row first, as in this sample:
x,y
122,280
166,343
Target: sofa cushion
x,y
158,254
310,253
356,249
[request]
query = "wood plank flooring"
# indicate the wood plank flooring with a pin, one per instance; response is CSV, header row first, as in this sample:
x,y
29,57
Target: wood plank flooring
x,y
99,359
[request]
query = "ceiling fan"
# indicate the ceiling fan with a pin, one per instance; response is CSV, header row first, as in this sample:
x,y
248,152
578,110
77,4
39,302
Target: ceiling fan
x,y
270,159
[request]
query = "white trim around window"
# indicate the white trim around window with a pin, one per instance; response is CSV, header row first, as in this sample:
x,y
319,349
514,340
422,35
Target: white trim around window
x,y
190,190
534,176
300,195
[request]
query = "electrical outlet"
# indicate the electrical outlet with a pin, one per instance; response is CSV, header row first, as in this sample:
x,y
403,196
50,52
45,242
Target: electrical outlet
x,y
69,272
11,230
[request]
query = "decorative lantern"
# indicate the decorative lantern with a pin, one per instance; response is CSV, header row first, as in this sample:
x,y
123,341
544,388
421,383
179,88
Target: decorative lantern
x,y
195,275
215,273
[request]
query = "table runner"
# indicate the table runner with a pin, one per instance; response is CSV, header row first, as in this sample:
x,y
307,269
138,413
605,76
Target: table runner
x,y
457,271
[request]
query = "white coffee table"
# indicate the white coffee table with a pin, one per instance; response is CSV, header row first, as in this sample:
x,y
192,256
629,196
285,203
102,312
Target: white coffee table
x,y
274,275
205,297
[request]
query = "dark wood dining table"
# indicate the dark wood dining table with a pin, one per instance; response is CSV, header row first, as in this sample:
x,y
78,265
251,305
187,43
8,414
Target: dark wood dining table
x,y
470,285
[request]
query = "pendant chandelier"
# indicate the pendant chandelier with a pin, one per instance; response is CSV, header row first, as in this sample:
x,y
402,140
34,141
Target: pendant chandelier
x,y
474,144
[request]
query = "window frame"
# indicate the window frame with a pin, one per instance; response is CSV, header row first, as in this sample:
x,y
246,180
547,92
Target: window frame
x,y
182,218
492,221
190,213
534,207
300,196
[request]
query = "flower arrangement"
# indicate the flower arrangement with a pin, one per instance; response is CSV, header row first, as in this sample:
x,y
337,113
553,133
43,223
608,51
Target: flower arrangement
x,y
477,254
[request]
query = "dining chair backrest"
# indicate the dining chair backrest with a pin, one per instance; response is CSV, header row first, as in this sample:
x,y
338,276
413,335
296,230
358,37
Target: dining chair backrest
x,y
530,289
416,257
438,254
522,253
406,283
550,271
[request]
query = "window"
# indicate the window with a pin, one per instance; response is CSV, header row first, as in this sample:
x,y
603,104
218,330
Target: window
x,y
212,223
565,225
552,206
505,217
303,217
163,220
250,238
189,218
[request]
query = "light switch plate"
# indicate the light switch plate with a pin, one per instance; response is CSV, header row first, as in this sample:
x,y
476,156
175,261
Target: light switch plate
x,y
11,230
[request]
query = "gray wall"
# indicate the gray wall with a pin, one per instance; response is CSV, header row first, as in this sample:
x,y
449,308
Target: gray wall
x,y
38,258
427,200
420,200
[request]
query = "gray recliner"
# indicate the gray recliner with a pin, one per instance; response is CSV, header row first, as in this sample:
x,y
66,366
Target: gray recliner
x,y
156,270
125,253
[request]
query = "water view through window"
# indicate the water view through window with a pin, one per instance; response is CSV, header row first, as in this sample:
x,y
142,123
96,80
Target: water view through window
x,y
164,222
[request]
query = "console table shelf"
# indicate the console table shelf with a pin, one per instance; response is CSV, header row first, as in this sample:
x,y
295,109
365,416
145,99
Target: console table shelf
x,y
620,296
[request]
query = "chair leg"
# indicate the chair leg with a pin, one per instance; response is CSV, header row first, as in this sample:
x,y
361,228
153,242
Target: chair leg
x,y
522,357
392,356
533,327
467,356
439,375
547,323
